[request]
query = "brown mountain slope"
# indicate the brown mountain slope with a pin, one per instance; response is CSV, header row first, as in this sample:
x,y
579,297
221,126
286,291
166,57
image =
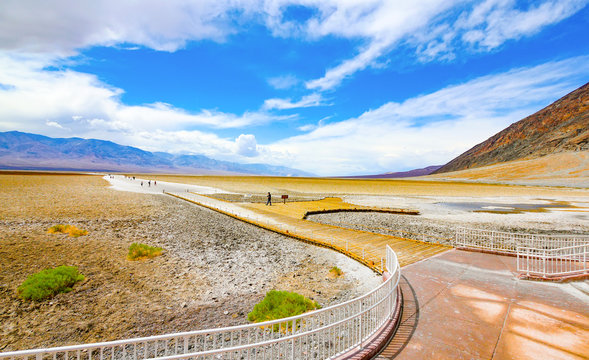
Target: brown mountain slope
x,y
569,169
562,126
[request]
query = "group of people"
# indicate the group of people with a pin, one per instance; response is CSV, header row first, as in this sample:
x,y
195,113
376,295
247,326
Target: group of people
x,y
149,183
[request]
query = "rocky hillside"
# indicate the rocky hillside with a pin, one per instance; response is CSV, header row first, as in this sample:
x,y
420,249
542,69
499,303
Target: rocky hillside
x,y
563,126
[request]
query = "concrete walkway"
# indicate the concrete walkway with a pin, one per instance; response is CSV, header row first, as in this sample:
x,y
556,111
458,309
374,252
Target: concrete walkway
x,y
470,305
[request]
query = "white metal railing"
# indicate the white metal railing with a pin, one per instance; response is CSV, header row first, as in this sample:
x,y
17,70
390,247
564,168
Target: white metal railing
x,y
546,263
505,242
320,334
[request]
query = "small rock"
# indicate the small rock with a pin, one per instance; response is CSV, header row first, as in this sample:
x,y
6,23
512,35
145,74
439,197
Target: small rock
x,y
225,312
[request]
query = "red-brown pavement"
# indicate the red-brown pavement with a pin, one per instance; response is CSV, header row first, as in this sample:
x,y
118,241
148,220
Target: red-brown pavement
x,y
470,305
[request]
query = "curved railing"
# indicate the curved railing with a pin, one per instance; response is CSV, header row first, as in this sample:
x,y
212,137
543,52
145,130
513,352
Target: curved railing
x,y
322,334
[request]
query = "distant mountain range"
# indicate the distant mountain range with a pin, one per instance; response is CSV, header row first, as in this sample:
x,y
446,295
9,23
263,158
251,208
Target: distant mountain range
x,y
562,126
21,151
400,174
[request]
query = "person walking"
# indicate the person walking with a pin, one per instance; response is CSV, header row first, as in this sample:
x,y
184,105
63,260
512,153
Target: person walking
x,y
269,202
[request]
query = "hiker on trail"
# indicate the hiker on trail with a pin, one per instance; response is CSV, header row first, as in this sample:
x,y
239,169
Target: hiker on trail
x,y
149,183
154,182
142,183
269,202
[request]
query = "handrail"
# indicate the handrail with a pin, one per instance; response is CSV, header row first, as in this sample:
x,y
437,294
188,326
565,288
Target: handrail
x,y
538,255
567,261
504,242
324,333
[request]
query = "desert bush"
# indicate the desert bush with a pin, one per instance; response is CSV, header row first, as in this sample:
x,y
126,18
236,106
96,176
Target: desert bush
x,y
336,272
141,251
45,284
281,304
72,230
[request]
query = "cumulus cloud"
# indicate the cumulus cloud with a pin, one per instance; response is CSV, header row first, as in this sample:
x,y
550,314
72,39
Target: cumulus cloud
x,y
87,107
246,145
61,28
432,128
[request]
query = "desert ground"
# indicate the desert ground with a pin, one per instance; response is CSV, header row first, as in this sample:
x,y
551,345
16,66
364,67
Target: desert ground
x,y
213,269
443,205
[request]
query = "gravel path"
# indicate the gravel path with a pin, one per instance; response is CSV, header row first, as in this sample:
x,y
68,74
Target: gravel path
x,y
238,259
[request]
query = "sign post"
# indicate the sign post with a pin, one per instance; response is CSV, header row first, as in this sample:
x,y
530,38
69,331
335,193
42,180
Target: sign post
x,y
284,197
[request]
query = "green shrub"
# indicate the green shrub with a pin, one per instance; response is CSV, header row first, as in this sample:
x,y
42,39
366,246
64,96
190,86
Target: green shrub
x,y
336,272
141,251
281,304
72,230
47,283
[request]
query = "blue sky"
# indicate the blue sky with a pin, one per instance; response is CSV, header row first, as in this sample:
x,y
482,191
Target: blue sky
x,y
329,87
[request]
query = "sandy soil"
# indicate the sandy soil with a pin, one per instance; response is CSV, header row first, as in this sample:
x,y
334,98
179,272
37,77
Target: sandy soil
x,y
212,272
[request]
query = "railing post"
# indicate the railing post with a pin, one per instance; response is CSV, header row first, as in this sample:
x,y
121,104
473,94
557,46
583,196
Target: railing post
x,y
360,329
585,258
544,263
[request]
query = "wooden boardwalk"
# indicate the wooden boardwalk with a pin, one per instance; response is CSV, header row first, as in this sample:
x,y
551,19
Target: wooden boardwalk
x,y
288,219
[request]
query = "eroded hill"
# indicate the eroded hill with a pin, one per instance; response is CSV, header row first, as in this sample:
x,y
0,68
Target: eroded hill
x,y
563,126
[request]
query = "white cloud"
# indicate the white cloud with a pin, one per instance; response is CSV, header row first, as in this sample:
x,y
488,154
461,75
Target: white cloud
x,y
381,23
61,28
283,82
246,145
307,127
489,24
86,107
54,124
429,26
284,104
493,22
433,128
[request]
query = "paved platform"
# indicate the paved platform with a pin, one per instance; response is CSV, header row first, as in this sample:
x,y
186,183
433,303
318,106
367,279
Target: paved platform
x,y
468,305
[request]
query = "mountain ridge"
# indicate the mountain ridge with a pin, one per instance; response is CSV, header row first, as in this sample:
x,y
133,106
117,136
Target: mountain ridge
x,y
20,150
399,174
